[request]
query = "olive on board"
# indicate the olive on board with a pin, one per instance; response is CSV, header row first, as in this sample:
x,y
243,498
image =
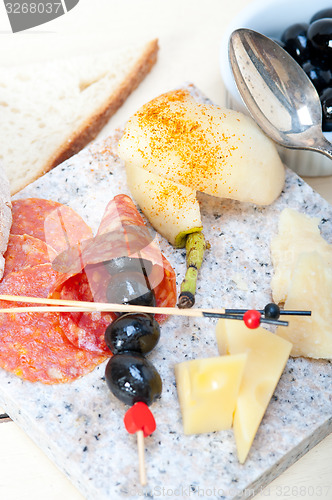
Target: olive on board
x,y
132,378
130,288
137,332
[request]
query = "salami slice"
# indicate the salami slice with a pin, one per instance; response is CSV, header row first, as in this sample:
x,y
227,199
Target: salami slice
x,y
56,224
26,251
84,330
121,232
140,244
32,345
118,226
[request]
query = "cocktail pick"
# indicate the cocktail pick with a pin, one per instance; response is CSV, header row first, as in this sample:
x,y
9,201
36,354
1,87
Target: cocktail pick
x,y
140,420
251,317
272,311
80,306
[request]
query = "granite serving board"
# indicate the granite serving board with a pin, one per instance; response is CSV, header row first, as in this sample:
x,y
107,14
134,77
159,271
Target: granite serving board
x,y
80,425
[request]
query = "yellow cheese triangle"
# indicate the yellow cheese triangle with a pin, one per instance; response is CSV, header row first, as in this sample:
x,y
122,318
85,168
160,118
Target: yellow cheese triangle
x,y
207,390
267,357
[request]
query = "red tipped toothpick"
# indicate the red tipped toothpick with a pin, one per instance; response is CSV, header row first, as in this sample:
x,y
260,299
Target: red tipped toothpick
x,y
139,419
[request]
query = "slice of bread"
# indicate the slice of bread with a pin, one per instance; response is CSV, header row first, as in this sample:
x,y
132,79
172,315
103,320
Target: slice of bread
x,y
50,111
5,217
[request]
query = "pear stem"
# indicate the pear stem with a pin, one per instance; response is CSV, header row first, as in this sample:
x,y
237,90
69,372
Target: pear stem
x,y
195,248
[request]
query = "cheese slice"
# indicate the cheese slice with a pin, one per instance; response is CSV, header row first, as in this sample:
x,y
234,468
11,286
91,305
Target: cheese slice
x,y
297,233
267,357
311,289
207,391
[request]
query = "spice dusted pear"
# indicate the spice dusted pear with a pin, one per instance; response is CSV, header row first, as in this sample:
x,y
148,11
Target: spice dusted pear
x,y
217,151
173,210
201,148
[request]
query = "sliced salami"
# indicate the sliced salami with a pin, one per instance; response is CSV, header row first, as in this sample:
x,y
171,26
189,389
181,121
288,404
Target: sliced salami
x,y
84,330
122,211
121,232
118,226
32,345
165,291
26,251
56,224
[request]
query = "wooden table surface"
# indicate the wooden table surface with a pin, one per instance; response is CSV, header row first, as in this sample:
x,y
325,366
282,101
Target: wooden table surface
x,y
189,32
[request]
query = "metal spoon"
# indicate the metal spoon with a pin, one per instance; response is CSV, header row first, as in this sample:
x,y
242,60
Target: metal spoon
x,y
277,92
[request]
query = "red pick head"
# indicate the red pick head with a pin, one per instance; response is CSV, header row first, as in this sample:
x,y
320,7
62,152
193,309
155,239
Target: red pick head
x,y
139,417
252,319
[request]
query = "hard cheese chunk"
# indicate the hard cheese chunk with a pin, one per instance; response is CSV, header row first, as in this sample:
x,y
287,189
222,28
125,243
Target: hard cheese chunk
x,y
311,289
267,357
207,391
172,209
297,233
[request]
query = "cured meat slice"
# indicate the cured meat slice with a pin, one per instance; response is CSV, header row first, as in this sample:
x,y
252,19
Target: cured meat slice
x,y
5,217
32,345
56,224
121,211
165,291
34,281
122,231
117,236
84,330
26,251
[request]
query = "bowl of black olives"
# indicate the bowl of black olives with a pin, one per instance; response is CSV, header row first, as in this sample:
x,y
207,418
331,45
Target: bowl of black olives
x,y
304,29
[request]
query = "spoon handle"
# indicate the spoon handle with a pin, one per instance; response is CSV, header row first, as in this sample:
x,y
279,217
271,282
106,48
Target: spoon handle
x,y
324,147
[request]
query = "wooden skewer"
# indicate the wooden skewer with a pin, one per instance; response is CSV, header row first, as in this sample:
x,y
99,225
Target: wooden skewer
x,y
49,309
81,306
77,305
141,457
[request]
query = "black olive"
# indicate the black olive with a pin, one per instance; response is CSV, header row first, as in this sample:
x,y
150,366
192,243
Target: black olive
x,y
132,378
321,14
128,264
130,288
296,42
132,332
326,102
320,37
321,77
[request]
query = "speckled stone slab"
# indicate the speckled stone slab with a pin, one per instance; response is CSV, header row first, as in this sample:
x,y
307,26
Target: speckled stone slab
x,y
80,425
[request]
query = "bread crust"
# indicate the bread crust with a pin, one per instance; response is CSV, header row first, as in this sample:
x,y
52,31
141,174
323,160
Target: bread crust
x,y
94,123
5,217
